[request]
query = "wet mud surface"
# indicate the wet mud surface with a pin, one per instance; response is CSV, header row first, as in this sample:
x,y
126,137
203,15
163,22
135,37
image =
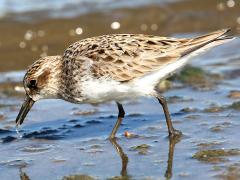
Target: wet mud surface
x,y
68,141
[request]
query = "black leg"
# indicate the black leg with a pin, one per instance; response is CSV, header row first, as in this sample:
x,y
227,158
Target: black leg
x,y
121,114
172,132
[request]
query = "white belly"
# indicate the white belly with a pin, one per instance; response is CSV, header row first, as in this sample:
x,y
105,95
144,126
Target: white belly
x,y
97,91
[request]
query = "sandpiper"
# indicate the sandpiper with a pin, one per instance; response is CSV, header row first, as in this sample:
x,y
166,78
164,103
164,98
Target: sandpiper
x,y
113,68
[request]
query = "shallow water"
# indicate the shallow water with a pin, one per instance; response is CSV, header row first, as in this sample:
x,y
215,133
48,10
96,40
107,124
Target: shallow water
x,y
68,141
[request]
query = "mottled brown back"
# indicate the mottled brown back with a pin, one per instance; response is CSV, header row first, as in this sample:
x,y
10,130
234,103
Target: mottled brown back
x,y
123,57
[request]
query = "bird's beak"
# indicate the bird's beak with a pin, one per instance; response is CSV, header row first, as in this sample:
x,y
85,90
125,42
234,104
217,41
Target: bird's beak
x,y
28,103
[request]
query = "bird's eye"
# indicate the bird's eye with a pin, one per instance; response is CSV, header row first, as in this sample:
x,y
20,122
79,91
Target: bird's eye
x,y
32,83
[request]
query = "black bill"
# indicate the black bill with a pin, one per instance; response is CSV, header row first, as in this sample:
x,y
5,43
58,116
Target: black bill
x,y
28,103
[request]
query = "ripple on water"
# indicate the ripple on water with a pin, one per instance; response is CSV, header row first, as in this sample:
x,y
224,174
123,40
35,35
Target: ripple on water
x,y
93,122
36,148
48,134
18,163
4,131
78,126
8,139
134,115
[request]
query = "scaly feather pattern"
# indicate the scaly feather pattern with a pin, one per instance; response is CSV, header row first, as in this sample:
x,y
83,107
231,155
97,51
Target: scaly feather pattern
x,y
124,57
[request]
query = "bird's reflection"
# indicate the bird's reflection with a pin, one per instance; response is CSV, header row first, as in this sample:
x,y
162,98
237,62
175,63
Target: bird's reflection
x,y
171,147
23,175
168,174
124,158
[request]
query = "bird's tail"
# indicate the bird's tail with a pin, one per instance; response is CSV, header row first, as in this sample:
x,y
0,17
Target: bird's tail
x,y
202,43
186,51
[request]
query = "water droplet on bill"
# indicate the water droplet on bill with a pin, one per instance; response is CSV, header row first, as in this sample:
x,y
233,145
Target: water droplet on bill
x,y
19,135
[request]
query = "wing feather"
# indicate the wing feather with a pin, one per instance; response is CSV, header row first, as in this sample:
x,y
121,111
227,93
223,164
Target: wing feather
x,y
124,57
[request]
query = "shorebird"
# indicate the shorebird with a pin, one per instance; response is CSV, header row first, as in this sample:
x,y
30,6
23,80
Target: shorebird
x,y
113,68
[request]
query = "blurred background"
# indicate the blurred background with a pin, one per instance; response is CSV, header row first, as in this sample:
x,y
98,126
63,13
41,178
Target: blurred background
x,y
32,29
204,99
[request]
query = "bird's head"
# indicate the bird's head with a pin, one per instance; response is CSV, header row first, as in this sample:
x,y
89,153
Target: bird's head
x,y
41,81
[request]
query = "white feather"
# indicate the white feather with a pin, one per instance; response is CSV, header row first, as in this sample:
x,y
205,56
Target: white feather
x,y
97,91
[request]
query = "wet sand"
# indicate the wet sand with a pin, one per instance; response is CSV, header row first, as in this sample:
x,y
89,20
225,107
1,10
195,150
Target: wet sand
x,y
69,141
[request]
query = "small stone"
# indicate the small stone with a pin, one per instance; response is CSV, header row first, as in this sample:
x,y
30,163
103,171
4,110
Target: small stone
x,y
129,135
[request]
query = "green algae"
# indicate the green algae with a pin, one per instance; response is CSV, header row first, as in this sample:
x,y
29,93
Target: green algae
x,y
216,155
141,149
232,172
197,77
192,75
78,177
164,85
214,109
235,105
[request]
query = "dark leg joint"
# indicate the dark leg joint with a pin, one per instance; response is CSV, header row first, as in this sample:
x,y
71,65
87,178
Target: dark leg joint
x,y
121,112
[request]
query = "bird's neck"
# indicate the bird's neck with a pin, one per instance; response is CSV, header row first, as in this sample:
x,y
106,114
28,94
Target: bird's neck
x,y
70,79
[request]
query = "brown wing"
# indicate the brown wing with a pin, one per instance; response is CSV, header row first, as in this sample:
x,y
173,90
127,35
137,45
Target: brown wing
x,y
124,57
